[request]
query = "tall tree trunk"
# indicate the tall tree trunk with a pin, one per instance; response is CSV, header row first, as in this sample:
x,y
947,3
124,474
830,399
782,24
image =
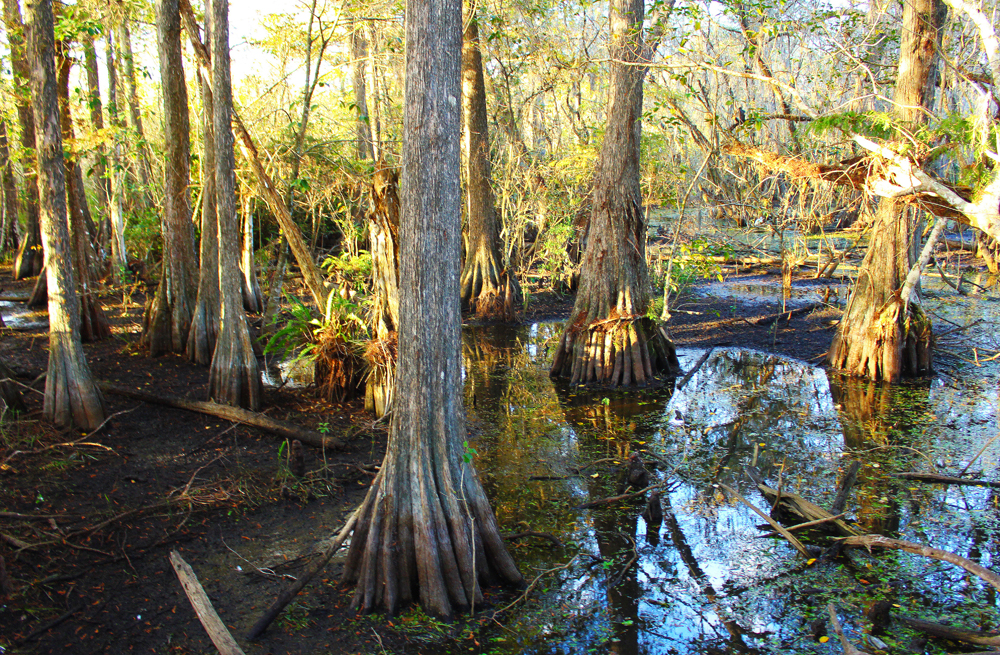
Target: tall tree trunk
x,y
100,170
234,377
425,530
359,60
119,256
205,321
170,317
93,322
8,228
608,339
487,286
881,335
29,258
71,397
127,59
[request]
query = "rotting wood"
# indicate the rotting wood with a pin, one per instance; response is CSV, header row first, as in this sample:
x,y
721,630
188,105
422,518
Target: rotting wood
x,y
774,524
275,426
799,505
288,594
955,634
209,618
870,541
933,478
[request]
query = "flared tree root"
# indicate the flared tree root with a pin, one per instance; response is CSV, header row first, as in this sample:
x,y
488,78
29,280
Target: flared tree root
x,y
624,351
426,533
492,294
889,347
71,397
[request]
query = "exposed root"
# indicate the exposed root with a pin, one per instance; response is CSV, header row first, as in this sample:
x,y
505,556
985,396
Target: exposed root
x,y
620,351
338,366
380,356
889,347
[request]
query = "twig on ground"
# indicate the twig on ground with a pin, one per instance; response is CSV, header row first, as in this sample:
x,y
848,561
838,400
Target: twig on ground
x,y
209,618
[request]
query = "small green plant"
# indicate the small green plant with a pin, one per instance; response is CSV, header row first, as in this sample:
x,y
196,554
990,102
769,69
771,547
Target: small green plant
x,y
468,452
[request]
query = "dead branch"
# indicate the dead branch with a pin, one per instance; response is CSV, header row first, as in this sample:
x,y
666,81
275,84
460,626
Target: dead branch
x,y
870,541
694,369
774,524
801,526
531,533
283,429
531,586
288,594
932,478
614,499
209,618
799,505
845,487
955,634
848,647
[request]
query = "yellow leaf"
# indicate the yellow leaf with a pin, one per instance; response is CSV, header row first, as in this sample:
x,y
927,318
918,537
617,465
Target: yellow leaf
x,y
811,561
824,639
596,475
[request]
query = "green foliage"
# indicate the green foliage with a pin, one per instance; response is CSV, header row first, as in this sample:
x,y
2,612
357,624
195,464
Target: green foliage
x,y
353,270
874,124
695,261
297,337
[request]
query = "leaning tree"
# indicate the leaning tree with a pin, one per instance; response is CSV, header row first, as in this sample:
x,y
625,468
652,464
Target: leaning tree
x,y
71,397
425,529
608,338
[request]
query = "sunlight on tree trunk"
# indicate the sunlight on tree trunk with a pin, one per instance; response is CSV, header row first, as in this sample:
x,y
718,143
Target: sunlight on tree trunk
x,y
71,398
234,378
488,287
29,258
608,338
425,530
383,235
881,335
119,254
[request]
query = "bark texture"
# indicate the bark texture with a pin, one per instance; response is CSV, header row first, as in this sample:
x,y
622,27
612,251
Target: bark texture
x,y
71,398
29,258
608,339
488,288
205,318
882,335
170,317
359,59
234,377
94,324
426,530
383,235
8,230
119,256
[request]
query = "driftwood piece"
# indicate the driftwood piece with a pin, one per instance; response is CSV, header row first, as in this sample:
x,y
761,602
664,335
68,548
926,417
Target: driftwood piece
x,y
933,478
846,483
210,620
262,421
799,505
955,634
774,524
849,648
870,541
288,594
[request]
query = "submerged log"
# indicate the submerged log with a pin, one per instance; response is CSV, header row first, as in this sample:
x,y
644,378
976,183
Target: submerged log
x,y
955,634
800,506
933,478
246,417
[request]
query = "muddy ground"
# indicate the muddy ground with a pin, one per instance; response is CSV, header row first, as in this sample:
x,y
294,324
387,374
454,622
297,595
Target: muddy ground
x,y
88,521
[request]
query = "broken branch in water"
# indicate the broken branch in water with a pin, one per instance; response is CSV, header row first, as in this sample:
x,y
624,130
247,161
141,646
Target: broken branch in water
x,y
933,478
774,524
848,647
870,541
955,634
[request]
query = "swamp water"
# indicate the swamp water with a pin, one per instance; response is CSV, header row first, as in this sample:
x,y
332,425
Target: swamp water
x,y
705,581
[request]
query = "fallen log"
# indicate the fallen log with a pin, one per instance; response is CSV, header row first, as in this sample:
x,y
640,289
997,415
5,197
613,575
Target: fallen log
x,y
955,634
275,426
209,618
845,487
694,369
870,541
849,648
933,478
